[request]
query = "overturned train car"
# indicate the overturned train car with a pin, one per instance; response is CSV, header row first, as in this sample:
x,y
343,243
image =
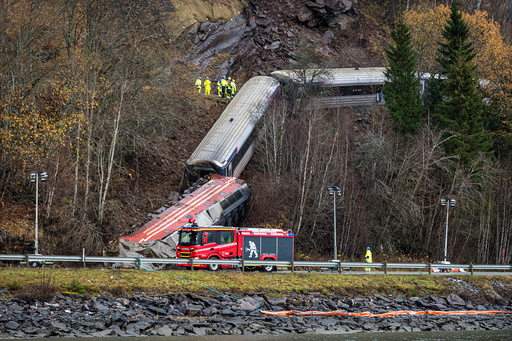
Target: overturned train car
x,y
221,201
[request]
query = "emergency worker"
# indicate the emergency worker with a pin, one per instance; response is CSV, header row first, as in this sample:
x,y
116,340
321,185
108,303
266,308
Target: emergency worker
x,y
219,88
224,84
368,258
207,86
228,89
233,87
198,84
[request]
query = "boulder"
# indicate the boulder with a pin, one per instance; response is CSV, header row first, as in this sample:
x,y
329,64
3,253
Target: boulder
x,y
455,299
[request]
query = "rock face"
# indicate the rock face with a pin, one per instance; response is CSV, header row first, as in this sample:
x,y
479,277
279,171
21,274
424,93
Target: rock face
x,y
162,315
266,35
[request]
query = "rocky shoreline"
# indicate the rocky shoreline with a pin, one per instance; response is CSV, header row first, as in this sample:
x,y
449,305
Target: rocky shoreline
x,y
213,313
181,314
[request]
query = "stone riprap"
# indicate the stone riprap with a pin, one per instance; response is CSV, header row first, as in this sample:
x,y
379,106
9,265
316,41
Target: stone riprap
x,y
178,314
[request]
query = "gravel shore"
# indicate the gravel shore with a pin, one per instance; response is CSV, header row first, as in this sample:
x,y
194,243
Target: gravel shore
x,y
179,314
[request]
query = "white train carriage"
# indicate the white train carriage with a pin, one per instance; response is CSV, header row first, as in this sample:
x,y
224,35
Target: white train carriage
x,y
349,86
228,146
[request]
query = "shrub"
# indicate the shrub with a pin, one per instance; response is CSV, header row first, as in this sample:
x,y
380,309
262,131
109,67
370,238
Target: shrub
x,y
76,286
14,286
42,291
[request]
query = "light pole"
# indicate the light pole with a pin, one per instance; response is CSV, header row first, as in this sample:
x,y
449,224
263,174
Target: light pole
x,y
34,177
335,191
447,202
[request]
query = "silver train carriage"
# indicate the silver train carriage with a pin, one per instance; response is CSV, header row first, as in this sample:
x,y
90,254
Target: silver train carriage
x,y
349,86
228,146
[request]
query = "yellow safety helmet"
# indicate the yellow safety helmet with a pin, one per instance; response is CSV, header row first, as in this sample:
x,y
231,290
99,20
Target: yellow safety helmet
x,y
229,78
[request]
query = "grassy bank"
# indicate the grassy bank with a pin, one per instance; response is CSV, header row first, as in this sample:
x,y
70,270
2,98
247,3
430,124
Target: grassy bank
x,y
46,282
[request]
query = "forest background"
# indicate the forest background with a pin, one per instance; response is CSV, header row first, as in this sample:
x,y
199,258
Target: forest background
x,y
100,95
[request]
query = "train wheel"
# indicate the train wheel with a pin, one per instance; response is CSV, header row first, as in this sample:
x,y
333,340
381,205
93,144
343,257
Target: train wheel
x,y
214,267
268,268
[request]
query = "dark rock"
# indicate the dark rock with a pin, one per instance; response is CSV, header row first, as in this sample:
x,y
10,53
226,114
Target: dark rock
x,y
305,15
423,304
11,325
210,311
454,299
326,322
156,310
59,326
276,301
164,331
439,307
101,308
194,309
227,312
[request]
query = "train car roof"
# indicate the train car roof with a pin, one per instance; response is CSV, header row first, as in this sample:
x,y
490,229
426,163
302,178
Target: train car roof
x,y
236,123
334,77
178,215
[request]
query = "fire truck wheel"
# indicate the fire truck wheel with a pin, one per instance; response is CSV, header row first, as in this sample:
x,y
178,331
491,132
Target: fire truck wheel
x,y
214,267
268,268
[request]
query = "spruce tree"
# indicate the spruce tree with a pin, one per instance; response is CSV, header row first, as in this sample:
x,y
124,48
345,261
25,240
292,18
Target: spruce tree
x,y
461,108
401,89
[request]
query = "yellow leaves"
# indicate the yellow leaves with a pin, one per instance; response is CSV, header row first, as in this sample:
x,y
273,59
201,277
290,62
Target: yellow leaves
x,y
426,26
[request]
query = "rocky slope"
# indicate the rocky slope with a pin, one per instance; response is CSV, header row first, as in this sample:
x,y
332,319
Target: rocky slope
x,y
254,37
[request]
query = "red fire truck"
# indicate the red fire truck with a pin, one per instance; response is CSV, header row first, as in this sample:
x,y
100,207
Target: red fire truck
x,y
217,242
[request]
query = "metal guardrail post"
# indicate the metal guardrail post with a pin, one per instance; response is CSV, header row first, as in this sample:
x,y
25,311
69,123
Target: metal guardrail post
x,y
139,263
27,261
471,269
385,267
293,266
429,268
192,264
243,265
83,256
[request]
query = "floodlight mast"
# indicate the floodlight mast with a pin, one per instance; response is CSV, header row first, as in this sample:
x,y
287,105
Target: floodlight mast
x,y
34,177
334,191
447,202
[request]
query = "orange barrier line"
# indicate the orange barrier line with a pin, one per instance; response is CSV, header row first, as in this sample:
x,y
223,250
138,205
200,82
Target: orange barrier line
x,y
389,314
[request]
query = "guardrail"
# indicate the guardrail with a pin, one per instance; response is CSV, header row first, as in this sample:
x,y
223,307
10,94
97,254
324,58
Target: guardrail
x,y
32,260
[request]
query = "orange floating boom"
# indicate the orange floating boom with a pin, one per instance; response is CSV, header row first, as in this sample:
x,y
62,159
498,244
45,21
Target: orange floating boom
x,y
389,314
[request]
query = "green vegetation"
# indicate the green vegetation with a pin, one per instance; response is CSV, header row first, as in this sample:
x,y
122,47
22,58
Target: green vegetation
x,y
401,89
460,105
124,281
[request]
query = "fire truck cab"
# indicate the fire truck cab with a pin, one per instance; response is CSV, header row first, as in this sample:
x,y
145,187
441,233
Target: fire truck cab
x,y
217,242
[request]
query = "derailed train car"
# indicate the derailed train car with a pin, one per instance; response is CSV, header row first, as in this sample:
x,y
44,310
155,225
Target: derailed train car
x,y
228,146
221,201
348,86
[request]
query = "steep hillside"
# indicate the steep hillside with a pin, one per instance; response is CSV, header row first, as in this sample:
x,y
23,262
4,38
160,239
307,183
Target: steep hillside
x,y
224,37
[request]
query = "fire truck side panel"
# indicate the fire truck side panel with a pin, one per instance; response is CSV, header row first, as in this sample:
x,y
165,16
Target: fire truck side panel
x,y
261,248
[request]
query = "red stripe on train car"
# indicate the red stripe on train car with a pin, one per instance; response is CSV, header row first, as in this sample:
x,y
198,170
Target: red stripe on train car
x,y
178,215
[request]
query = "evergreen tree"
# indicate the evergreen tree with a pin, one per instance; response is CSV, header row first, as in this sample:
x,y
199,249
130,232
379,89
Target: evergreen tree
x,y
461,108
401,89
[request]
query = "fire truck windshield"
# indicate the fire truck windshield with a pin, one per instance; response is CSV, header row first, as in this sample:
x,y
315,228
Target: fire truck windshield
x,y
190,237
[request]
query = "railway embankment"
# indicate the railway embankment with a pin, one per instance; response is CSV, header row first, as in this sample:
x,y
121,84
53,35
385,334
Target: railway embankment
x,y
74,303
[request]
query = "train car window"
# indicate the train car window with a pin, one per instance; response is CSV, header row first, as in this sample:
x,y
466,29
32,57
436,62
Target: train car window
x,y
234,197
355,90
241,153
237,195
224,204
